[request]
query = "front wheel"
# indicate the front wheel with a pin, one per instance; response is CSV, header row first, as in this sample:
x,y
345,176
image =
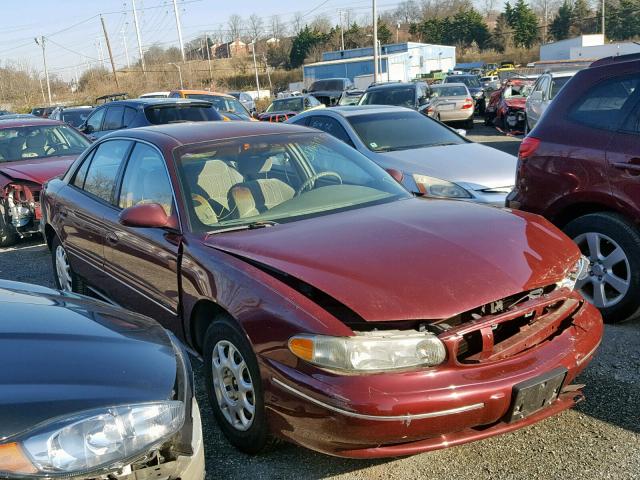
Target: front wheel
x,y
65,278
612,245
468,124
234,386
8,234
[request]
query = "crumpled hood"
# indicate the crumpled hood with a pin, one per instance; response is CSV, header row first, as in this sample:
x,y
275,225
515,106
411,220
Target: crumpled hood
x,y
64,354
471,164
412,259
517,103
37,170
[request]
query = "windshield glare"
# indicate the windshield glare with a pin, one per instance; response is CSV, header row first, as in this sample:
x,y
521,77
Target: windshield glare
x,y
75,118
409,130
457,91
162,114
222,104
469,80
40,142
279,178
402,97
517,91
292,104
326,85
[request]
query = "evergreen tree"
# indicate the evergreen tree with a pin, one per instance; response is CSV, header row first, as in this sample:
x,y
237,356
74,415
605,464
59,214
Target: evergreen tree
x,y
562,22
581,18
384,34
524,23
302,45
502,36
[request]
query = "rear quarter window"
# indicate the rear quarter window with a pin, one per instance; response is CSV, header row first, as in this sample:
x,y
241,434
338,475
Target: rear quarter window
x,y
604,105
160,115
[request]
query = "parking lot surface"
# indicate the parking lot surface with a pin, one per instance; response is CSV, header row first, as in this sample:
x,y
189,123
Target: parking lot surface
x,y
599,439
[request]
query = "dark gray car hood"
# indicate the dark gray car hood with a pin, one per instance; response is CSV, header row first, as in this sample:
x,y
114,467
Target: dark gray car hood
x,y
470,164
64,354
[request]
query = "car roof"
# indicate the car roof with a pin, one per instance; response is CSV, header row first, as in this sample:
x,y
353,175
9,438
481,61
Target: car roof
x,y
352,110
386,85
616,59
155,101
28,122
451,84
200,92
197,132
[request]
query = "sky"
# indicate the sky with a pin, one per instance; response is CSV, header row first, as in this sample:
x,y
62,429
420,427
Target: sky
x,y
74,32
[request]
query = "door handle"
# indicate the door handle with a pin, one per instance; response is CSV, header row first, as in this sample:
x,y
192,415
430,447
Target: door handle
x,y
632,166
112,238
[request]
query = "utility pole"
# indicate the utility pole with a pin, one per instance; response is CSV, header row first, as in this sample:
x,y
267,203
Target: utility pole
x,y
175,10
46,70
106,38
126,50
602,19
42,89
206,45
255,65
135,21
398,32
375,42
266,65
546,13
341,30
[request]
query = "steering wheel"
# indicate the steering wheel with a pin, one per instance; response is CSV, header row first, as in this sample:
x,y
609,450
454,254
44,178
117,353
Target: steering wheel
x,y
56,147
309,182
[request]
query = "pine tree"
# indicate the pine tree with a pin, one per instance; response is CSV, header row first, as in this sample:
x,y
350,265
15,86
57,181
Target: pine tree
x,y
525,25
581,18
562,22
502,36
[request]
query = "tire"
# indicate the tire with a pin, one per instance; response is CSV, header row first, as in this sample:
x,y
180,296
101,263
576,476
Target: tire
x,y
468,124
71,284
8,234
222,336
610,234
487,120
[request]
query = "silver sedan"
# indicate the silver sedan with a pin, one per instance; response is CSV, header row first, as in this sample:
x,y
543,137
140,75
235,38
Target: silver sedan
x,y
451,102
428,157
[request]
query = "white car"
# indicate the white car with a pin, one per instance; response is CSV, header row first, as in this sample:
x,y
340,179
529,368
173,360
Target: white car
x,y
155,95
543,91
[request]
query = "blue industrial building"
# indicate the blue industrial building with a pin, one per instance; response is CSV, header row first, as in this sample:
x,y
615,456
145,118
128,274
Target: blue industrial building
x,y
398,61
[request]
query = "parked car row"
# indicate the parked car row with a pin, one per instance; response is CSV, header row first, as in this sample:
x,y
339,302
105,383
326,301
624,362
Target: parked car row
x,y
341,274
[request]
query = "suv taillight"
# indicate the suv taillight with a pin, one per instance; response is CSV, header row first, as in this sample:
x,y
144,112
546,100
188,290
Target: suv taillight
x,y
528,147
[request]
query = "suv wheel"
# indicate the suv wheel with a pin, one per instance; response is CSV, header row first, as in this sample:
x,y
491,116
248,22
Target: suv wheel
x,y
8,235
234,386
613,247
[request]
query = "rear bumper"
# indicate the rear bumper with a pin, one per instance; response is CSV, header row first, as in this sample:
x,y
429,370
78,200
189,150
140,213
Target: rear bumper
x,y
456,115
388,415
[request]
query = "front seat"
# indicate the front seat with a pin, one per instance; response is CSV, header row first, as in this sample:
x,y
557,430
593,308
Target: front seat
x,y
210,186
34,146
257,193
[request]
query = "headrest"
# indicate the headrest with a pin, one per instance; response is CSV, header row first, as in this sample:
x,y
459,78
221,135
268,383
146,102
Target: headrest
x,y
254,164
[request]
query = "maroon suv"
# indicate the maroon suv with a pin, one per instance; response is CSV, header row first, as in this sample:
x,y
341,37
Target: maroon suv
x,y
580,168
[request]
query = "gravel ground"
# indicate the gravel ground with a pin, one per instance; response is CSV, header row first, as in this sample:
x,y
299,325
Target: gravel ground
x,y
599,439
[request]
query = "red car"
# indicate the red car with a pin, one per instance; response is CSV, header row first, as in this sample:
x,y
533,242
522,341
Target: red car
x,y
580,168
32,151
506,107
332,308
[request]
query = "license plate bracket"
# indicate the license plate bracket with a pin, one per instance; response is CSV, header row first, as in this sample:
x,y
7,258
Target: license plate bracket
x,y
535,394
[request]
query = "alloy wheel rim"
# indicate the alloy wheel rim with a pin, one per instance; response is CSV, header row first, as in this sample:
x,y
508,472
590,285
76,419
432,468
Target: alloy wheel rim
x,y
233,385
63,270
609,277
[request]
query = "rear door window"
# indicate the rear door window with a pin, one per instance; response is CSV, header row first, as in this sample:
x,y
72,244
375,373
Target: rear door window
x,y
556,84
95,120
104,167
159,115
606,104
129,116
113,118
331,126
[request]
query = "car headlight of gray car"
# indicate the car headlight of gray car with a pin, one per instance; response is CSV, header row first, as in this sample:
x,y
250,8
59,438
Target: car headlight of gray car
x,y
91,441
436,187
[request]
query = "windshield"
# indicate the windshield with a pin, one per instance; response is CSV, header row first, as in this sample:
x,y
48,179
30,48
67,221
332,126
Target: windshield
x,y
291,104
386,132
40,142
557,83
75,118
162,114
469,80
222,103
452,91
350,99
517,91
278,178
401,96
327,85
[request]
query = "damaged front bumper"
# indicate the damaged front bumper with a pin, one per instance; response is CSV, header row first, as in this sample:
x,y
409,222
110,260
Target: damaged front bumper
x,y
21,208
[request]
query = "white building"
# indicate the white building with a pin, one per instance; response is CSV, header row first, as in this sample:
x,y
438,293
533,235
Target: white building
x,y
585,47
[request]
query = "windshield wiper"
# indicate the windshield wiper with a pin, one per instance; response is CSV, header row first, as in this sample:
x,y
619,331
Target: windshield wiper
x,y
245,226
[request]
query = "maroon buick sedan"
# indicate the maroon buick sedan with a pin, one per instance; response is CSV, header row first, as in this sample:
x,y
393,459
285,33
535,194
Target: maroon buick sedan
x,y
332,308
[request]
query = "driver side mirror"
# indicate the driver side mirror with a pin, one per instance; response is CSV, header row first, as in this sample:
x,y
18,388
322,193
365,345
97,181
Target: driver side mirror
x,y
86,128
255,115
147,215
423,100
396,174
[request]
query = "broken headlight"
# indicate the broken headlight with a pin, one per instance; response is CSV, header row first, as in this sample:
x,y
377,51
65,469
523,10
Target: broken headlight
x,y
578,272
370,351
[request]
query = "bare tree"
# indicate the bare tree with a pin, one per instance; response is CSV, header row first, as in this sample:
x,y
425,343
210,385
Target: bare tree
x,y
488,7
545,10
278,29
235,27
406,12
256,27
322,23
297,23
